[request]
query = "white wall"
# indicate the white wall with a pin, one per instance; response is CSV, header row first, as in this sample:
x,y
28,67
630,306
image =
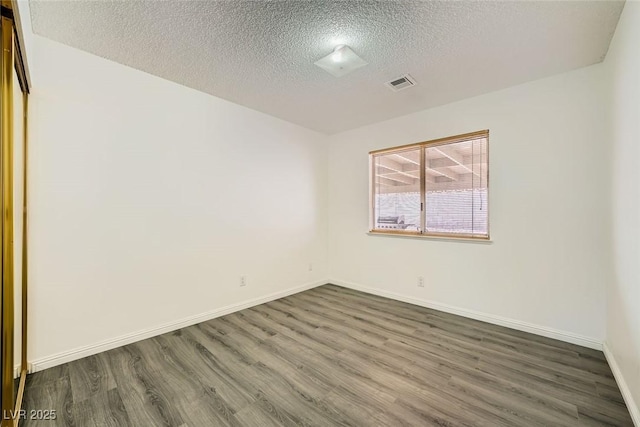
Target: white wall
x,y
623,297
549,186
149,200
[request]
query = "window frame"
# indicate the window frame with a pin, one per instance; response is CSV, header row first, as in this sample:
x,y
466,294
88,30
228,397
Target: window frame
x,y
422,146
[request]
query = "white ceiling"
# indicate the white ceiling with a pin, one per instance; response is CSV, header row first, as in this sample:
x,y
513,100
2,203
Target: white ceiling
x,y
260,54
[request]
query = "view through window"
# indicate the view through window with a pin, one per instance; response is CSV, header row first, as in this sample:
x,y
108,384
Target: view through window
x,y
437,188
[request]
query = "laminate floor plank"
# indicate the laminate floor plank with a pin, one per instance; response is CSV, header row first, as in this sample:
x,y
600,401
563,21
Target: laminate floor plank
x,y
47,376
494,338
250,336
610,393
255,415
54,396
225,349
359,334
578,378
258,376
230,381
351,321
432,389
101,409
421,315
330,370
533,400
354,406
259,330
401,324
287,321
419,411
406,386
476,325
146,395
90,376
305,340
236,343
194,398
554,354
295,399
559,390
517,411
380,323
335,319
593,416
421,320
332,356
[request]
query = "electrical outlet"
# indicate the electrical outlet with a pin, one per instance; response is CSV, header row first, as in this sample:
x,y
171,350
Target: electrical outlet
x,y
243,280
420,282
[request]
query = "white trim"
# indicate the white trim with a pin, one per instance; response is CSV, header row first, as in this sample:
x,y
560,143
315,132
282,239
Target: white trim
x,y
80,352
485,317
431,237
632,406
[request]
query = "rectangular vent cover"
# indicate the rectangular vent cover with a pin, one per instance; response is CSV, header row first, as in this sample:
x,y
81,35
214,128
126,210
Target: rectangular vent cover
x,y
401,83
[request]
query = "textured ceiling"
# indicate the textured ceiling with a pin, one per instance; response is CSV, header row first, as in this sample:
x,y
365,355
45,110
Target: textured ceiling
x,y
260,54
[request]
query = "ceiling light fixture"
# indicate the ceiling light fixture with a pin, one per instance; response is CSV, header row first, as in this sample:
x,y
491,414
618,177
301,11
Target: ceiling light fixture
x,y
341,61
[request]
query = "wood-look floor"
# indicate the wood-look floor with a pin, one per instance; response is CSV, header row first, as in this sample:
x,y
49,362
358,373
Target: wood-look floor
x,y
334,356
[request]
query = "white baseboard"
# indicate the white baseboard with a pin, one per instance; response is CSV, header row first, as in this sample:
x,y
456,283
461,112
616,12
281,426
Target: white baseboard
x,y
80,352
632,406
472,314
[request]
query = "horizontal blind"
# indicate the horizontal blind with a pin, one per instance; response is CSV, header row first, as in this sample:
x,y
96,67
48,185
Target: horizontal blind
x,y
397,191
456,188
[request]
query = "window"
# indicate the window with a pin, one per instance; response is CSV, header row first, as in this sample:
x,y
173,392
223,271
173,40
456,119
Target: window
x,y
433,188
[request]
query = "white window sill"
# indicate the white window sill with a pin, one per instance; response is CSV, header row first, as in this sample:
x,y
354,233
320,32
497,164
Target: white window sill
x,y
432,237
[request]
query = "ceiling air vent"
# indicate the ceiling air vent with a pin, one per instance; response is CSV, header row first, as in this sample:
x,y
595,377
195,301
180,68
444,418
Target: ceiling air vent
x,y
401,83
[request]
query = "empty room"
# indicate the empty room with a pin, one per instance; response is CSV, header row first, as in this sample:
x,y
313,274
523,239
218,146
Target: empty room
x,y
320,213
